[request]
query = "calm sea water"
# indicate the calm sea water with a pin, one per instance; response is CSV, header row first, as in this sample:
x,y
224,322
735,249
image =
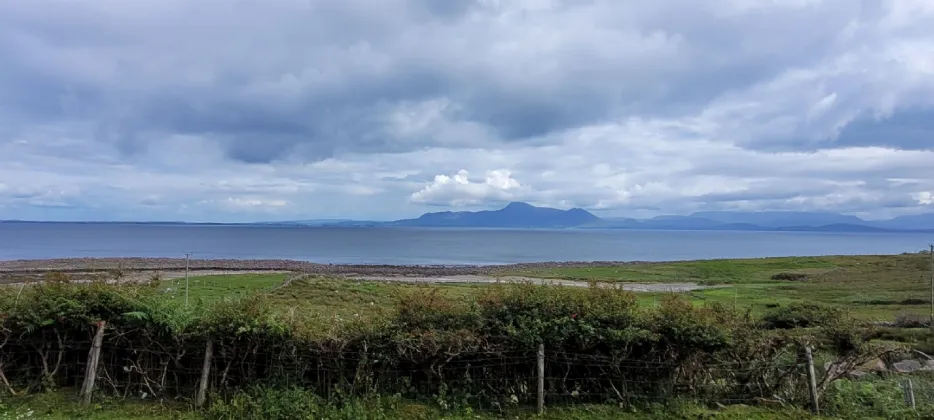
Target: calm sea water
x,y
429,246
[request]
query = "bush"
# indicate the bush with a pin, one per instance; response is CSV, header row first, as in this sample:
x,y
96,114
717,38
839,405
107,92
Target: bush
x,y
786,276
801,315
915,301
910,320
270,403
876,398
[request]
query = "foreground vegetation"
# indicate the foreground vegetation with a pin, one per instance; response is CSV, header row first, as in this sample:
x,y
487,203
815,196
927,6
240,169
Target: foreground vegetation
x,y
340,349
63,406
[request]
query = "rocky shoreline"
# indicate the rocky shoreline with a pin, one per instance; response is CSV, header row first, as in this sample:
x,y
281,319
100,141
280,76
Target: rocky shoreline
x,y
156,264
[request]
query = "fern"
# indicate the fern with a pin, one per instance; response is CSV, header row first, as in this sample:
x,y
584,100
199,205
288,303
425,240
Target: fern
x,y
137,316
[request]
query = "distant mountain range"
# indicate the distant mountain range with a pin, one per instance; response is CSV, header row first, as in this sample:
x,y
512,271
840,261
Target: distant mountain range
x,y
522,215
513,215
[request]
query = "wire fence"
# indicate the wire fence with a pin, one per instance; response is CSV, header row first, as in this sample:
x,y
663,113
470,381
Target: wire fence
x,y
485,381
493,382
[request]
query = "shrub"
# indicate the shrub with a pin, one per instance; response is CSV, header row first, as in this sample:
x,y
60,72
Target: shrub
x,y
876,398
787,276
910,320
294,403
915,301
800,315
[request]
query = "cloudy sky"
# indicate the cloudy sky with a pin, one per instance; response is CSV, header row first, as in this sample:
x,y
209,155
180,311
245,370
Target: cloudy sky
x,y
233,110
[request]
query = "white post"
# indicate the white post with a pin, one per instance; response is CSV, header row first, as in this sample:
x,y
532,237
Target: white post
x,y
541,379
812,381
90,373
201,396
187,257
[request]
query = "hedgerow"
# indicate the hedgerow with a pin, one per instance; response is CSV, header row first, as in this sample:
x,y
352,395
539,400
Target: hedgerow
x,y
479,351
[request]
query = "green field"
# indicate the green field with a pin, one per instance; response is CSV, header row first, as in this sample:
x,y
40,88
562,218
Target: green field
x,y
213,288
875,288
329,296
704,272
870,287
312,294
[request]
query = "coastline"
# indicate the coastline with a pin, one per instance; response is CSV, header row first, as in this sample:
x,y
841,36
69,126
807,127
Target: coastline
x,y
132,269
157,264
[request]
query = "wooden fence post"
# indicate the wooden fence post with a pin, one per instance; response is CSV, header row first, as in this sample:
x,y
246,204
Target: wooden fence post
x,y
812,380
201,396
541,379
87,388
909,391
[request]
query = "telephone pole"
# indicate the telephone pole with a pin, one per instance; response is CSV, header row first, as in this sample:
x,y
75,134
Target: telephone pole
x,y
188,257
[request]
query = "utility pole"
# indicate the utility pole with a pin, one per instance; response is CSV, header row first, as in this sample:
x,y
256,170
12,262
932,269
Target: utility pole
x,y
188,257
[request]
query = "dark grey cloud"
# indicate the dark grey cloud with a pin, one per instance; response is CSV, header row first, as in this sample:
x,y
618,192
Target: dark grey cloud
x,y
597,103
320,72
910,129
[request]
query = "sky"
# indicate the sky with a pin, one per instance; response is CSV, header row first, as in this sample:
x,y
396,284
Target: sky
x,y
247,110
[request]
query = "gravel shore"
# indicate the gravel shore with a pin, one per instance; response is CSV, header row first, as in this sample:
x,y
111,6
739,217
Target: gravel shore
x,y
151,264
141,269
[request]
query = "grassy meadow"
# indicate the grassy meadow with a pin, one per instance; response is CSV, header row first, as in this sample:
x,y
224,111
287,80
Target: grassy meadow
x,y
874,288
870,287
215,287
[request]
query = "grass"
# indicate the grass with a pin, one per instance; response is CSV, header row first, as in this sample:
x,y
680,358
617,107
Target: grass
x,y
212,288
329,296
705,272
62,405
870,287
321,295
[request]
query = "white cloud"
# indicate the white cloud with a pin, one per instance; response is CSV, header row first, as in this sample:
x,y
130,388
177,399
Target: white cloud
x,y
925,198
245,204
458,190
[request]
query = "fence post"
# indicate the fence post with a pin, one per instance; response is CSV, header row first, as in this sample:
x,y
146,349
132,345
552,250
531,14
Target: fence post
x,y
541,379
812,380
201,396
909,391
93,358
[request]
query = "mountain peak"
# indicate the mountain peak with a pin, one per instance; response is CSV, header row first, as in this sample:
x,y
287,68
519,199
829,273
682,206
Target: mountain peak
x,y
516,205
515,214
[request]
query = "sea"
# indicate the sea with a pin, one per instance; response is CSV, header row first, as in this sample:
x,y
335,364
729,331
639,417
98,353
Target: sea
x,y
429,246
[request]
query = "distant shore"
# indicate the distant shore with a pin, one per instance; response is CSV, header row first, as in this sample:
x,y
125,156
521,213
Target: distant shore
x,y
38,266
